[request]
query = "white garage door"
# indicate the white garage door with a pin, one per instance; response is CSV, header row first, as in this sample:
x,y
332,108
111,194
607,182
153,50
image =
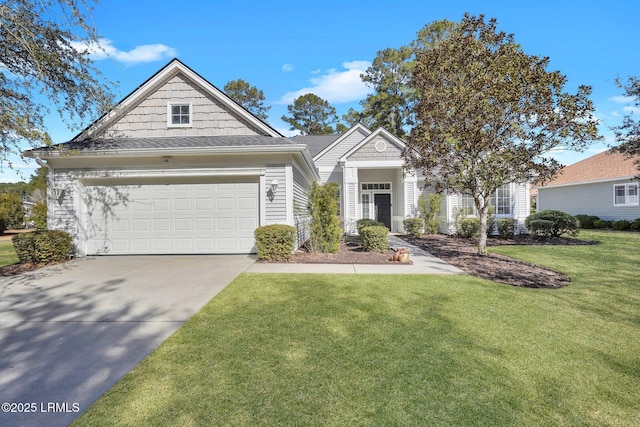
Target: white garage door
x,y
171,218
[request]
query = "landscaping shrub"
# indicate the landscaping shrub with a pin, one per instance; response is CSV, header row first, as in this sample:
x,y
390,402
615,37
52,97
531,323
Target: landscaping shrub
x,y
562,222
622,225
507,227
469,227
367,222
12,210
275,242
429,207
542,228
39,216
374,238
43,246
601,223
635,224
586,221
413,226
325,225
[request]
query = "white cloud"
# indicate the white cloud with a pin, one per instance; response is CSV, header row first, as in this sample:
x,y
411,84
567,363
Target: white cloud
x,y
287,68
335,86
621,99
286,132
631,110
139,54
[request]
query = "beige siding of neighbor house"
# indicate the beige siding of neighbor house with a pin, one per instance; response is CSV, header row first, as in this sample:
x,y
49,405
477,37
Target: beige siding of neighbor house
x,y
208,115
588,199
377,149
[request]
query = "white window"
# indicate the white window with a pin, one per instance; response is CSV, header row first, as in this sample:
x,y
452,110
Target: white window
x,y
365,205
369,186
179,115
625,195
502,202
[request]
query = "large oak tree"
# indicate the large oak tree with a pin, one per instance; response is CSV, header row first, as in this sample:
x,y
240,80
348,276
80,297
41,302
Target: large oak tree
x,y
488,113
45,64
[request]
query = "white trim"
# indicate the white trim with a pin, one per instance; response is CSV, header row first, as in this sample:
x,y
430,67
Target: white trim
x,y
597,181
357,126
170,124
626,195
378,132
169,173
373,164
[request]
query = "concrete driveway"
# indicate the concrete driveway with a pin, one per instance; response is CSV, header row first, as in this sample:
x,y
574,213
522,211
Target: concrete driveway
x,y
69,332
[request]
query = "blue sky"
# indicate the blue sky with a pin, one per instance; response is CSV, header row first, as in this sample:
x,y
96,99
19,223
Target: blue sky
x,y
288,48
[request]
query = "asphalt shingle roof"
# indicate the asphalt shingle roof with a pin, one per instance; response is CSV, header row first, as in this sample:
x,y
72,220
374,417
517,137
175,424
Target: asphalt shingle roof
x,y
606,165
315,143
123,144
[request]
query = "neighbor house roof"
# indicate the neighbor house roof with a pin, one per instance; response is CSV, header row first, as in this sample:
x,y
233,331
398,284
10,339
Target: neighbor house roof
x,y
607,165
315,143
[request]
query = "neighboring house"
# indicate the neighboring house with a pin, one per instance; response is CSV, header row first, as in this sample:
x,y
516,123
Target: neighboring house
x,y
603,185
178,167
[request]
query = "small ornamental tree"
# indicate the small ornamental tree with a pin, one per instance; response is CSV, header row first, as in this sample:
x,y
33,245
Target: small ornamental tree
x,y
487,113
325,224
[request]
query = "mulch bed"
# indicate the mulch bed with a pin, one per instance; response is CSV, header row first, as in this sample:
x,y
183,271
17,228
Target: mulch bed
x,y
350,252
462,253
15,269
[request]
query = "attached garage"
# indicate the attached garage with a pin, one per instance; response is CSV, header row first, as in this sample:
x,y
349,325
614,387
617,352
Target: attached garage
x,y
170,218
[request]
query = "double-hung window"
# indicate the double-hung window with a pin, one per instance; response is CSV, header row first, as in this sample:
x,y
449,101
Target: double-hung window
x,y
625,194
179,115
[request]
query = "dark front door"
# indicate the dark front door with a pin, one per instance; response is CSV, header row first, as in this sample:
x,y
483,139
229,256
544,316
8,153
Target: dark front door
x,y
382,203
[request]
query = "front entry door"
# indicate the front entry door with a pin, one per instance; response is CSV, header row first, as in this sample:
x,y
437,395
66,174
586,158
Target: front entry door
x,y
382,204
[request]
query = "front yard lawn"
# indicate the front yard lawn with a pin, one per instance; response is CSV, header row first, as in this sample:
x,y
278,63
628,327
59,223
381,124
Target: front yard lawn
x,y
403,350
7,254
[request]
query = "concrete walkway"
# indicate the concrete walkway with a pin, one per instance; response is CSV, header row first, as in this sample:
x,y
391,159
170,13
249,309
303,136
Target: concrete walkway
x,y
423,263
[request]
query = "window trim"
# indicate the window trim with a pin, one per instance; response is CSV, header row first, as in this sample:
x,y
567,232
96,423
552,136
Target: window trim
x,y
626,194
169,114
493,200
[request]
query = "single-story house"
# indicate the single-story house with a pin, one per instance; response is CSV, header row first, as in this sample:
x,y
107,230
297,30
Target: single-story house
x,y
179,167
604,185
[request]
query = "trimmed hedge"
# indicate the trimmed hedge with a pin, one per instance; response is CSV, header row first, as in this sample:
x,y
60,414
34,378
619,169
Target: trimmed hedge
x,y
587,221
540,227
413,226
622,225
469,227
374,238
275,242
367,222
562,222
635,225
601,223
43,246
507,227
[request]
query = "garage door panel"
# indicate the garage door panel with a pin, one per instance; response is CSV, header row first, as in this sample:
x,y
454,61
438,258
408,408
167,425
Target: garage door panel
x,y
173,218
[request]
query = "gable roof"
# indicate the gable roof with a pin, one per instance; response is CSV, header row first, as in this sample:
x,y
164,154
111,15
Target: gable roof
x,y
607,165
378,132
357,127
171,69
315,143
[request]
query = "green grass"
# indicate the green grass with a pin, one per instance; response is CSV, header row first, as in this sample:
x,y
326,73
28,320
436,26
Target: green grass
x,y
7,254
403,350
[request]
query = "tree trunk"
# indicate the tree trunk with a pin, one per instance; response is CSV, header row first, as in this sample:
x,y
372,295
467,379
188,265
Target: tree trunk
x,y
482,238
